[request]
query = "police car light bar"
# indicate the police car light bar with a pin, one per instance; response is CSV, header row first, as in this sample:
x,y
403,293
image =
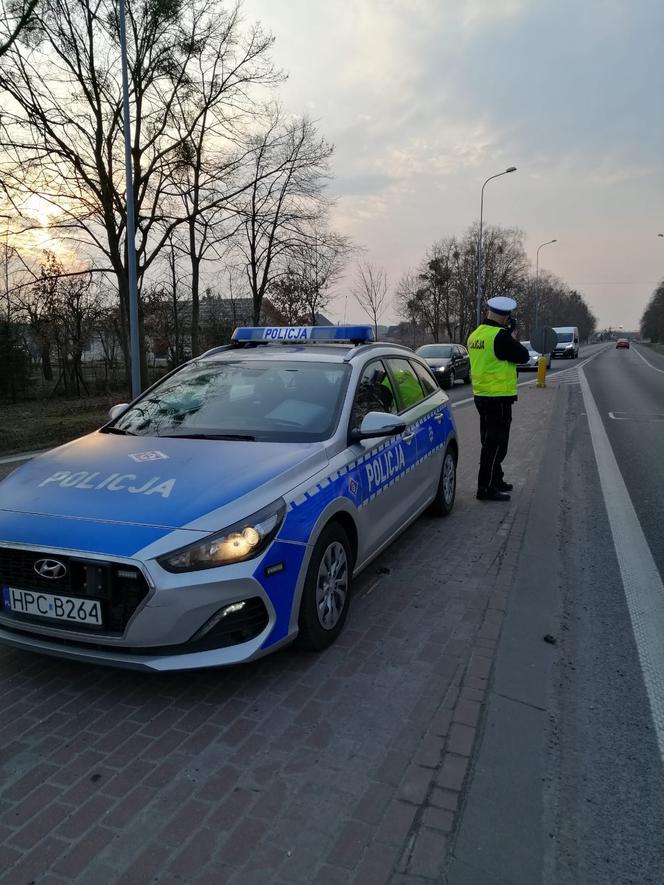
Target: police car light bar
x,y
303,334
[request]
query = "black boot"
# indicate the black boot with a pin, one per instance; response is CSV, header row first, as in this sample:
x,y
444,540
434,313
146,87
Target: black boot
x,y
503,486
492,494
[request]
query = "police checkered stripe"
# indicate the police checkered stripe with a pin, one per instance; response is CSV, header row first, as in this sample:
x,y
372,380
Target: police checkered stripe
x,y
337,474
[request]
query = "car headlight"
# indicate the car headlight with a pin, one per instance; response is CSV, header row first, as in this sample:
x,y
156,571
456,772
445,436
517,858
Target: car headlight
x,y
441,369
243,540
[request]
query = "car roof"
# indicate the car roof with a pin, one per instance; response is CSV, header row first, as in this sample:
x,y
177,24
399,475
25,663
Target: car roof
x,y
326,353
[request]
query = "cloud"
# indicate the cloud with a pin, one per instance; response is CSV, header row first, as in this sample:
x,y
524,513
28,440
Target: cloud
x,y
425,99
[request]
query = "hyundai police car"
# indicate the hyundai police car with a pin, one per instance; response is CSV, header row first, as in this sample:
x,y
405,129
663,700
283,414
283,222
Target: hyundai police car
x,y
226,510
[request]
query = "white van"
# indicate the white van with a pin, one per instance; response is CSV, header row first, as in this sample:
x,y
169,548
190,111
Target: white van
x,y
568,342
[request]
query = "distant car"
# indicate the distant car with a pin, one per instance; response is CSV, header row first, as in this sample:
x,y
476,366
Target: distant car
x,y
531,365
622,342
448,362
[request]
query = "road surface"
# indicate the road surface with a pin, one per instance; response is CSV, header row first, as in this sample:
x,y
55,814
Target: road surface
x,y
441,740
569,786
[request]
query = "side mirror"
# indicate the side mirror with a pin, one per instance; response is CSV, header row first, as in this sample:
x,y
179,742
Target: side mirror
x,y
115,411
377,424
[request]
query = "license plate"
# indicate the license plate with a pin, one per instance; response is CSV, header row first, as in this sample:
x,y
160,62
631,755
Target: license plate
x,y
58,608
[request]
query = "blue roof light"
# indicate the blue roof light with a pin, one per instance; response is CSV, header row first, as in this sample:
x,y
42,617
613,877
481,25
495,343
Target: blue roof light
x,y
303,334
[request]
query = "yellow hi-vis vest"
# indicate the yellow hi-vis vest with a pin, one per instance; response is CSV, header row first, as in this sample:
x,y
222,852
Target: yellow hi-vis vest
x,y
491,376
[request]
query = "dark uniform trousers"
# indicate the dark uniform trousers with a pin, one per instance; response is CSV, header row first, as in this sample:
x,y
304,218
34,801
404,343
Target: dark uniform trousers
x,y
495,419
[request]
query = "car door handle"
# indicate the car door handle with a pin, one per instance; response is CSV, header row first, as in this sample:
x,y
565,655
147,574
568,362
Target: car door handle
x,y
408,436
438,417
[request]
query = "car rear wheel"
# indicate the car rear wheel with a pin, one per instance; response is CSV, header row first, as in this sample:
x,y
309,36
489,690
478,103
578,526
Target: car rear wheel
x,y
443,503
327,588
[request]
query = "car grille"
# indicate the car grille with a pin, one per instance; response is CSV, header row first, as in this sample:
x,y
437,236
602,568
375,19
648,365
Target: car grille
x,y
119,588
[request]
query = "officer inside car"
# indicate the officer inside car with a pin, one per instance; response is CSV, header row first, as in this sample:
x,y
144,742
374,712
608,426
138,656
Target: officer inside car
x,y
494,356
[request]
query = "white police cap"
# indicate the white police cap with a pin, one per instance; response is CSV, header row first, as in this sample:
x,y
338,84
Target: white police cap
x,y
502,305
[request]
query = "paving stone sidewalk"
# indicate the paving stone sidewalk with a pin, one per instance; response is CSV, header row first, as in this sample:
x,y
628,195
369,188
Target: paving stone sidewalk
x,y
344,767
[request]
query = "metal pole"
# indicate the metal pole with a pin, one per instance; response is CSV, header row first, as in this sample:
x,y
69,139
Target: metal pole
x,y
479,242
548,243
131,227
479,259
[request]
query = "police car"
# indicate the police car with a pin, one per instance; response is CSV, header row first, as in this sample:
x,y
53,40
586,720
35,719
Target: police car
x,y
224,512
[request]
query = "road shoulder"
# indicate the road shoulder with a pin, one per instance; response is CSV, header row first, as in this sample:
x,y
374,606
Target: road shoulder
x,y
500,836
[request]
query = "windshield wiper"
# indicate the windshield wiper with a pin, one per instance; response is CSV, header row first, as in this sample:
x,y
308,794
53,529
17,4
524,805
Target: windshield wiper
x,y
117,430
231,436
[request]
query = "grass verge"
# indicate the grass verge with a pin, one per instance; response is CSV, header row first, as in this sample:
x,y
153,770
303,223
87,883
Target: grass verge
x,y
26,427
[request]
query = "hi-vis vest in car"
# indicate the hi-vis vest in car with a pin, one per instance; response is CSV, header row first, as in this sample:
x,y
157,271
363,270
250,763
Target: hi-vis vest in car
x,y
491,376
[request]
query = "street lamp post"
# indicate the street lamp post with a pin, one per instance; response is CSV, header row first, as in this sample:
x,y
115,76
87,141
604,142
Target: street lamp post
x,y
131,225
541,246
479,241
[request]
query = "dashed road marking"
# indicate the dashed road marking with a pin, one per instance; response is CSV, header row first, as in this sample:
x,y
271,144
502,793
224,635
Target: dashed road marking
x,y
648,417
641,580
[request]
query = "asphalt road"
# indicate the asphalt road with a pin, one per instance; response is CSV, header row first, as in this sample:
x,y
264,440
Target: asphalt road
x,y
568,787
462,391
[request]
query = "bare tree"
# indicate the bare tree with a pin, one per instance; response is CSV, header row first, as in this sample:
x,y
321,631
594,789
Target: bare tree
x,y
290,164
370,291
652,321
441,296
61,127
319,262
288,296
15,19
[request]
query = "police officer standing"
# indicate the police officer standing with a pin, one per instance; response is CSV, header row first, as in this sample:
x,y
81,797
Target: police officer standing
x,y
494,356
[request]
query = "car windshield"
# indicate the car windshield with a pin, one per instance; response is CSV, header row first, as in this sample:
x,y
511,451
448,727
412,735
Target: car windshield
x,y
242,399
435,351
563,337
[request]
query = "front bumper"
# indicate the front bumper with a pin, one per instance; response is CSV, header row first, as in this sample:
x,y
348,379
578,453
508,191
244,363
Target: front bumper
x,y
193,620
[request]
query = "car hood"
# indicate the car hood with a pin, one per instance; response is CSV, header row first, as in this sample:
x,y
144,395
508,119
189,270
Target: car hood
x,y
146,481
437,362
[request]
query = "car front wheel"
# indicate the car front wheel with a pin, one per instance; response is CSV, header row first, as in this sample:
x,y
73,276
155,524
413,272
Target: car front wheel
x,y
327,587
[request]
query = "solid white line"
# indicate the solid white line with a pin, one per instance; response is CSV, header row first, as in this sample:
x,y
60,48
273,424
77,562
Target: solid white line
x,y
647,362
642,582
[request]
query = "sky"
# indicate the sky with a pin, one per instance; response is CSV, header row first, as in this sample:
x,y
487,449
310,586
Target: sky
x,y
424,99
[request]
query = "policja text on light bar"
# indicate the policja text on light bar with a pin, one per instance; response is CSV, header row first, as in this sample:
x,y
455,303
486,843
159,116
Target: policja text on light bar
x,y
302,334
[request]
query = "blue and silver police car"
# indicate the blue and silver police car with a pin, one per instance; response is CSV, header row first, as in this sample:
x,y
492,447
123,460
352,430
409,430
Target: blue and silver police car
x,y
225,512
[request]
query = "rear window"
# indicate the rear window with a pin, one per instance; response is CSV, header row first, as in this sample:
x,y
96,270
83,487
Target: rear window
x,y
435,351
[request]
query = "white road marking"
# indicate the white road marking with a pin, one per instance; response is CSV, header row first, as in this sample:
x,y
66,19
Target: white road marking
x,y
647,362
636,416
642,582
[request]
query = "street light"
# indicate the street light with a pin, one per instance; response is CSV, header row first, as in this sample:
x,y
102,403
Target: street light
x,y
541,246
131,226
479,242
